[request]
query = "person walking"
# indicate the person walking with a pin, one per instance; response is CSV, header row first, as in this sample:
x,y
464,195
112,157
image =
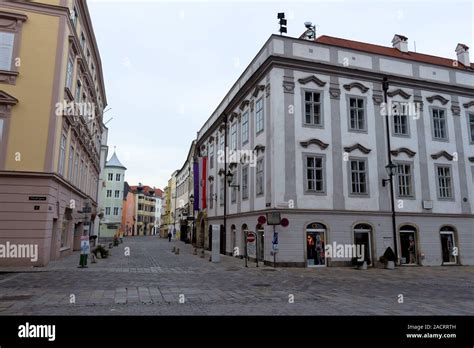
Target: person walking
x,y
169,236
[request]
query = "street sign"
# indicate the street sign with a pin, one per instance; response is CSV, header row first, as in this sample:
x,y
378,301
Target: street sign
x,y
273,218
251,237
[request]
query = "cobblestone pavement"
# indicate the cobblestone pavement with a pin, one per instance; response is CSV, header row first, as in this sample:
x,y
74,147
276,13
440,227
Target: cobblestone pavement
x,y
155,281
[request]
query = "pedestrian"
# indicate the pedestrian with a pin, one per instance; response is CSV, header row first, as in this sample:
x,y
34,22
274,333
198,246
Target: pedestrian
x,y
169,236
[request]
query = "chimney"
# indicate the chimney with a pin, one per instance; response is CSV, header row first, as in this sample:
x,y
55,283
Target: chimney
x,y
462,52
400,42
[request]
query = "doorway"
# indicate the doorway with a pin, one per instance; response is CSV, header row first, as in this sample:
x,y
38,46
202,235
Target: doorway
x,y
209,239
222,244
315,245
408,246
449,250
362,236
260,243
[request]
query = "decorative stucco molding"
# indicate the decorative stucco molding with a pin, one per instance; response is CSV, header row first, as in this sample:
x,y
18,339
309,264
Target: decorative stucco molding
x,y
211,139
358,85
471,159
322,145
399,92
312,78
257,89
405,150
244,104
6,103
442,154
289,87
233,115
221,172
437,97
455,108
357,146
210,178
267,90
232,165
377,97
335,92
259,148
469,104
418,99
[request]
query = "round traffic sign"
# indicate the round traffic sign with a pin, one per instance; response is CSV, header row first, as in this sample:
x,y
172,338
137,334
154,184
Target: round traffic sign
x,y
251,238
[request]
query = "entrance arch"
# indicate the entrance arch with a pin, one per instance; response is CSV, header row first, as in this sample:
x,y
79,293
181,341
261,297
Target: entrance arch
x,y
449,249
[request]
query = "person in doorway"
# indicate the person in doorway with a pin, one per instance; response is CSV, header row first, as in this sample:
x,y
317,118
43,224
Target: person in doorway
x,y
169,236
411,250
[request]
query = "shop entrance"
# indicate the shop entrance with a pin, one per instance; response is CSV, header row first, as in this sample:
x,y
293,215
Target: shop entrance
x,y
362,236
315,245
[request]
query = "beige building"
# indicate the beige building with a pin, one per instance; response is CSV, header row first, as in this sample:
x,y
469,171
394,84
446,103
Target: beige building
x,y
52,97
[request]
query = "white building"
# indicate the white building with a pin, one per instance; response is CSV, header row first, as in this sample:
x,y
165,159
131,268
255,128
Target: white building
x,y
310,112
113,177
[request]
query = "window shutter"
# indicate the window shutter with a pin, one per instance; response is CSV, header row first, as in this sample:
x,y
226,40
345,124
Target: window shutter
x,y
6,50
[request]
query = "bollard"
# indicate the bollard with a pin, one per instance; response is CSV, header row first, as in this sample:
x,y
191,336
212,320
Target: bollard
x,y
202,254
174,250
177,251
195,252
93,260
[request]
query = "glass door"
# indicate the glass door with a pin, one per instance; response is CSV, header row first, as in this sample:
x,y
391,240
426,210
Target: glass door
x,y
408,247
362,237
448,248
315,248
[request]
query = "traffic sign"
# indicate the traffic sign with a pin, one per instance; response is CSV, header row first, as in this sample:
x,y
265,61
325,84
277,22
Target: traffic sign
x,y
251,238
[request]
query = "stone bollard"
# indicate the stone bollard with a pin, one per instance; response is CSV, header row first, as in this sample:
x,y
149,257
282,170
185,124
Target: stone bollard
x,y
195,252
177,251
203,254
174,250
93,260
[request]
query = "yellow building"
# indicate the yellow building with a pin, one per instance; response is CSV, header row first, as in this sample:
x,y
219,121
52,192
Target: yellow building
x,y
52,97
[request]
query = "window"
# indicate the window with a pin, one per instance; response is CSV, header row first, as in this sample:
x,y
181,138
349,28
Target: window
x,y
71,163
400,119
81,183
78,91
117,177
445,190
233,193
116,211
439,124
357,114
76,168
69,73
111,176
74,16
404,180
312,109
221,142
107,211
109,193
259,116
83,41
62,154
211,195
64,233
233,137
6,50
211,156
221,190
358,171
314,174
245,128
470,118
260,177
245,182
117,193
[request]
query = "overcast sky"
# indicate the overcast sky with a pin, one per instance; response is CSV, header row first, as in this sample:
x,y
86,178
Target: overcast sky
x,y
167,64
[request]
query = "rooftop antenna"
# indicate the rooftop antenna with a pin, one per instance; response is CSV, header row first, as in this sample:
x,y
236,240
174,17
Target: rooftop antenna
x,y
310,33
282,22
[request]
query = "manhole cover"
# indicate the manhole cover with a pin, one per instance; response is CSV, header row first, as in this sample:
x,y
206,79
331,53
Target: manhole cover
x,y
261,285
16,298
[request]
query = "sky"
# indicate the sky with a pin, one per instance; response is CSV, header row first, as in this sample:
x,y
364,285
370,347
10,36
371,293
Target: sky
x,y
168,64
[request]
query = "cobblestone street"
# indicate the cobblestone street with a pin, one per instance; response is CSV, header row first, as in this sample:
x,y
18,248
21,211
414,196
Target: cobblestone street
x,y
153,280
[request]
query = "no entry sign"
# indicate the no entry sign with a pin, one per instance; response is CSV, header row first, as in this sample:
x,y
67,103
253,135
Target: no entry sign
x,y
251,237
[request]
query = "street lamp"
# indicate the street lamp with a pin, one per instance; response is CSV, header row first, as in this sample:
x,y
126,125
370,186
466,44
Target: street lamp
x,y
191,201
391,168
230,180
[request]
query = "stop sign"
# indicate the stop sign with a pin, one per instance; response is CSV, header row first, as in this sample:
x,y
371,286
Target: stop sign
x,y
251,238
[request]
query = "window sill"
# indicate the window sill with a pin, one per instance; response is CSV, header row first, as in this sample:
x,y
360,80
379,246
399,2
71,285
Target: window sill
x,y
8,77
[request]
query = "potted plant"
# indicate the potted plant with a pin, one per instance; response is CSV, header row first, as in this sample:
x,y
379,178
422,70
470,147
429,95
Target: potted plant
x,y
359,264
388,259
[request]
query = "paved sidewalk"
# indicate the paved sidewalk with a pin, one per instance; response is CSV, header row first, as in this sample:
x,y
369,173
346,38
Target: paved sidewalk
x,y
155,281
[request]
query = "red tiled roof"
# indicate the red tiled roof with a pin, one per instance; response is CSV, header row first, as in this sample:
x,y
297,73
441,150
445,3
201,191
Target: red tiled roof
x,y
147,189
389,51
